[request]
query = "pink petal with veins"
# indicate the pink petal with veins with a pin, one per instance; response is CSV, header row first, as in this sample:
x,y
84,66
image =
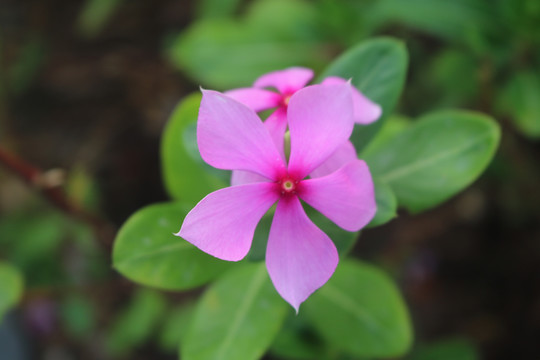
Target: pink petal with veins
x,y
346,196
223,223
343,155
320,121
300,257
365,110
232,137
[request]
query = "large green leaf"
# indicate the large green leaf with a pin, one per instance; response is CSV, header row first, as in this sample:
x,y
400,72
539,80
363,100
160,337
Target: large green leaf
x,y
272,35
146,251
436,157
237,317
11,287
519,99
361,312
185,174
377,68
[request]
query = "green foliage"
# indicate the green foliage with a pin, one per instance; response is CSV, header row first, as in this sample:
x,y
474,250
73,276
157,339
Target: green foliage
x,y
95,14
452,349
237,318
146,250
11,287
297,340
436,157
137,322
216,9
386,204
273,34
78,316
360,311
377,68
520,100
186,176
448,19
176,326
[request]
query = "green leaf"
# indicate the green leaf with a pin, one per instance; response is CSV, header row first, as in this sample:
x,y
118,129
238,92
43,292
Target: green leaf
x,y
452,20
137,323
176,326
377,68
273,35
237,317
451,349
186,176
435,158
386,204
78,316
361,312
297,340
11,287
146,251
519,99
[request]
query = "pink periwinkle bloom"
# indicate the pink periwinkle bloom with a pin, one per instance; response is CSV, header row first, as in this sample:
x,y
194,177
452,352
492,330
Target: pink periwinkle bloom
x,y
287,82
300,257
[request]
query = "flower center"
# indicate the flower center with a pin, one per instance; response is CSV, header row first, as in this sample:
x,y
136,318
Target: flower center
x,y
285,100
288,186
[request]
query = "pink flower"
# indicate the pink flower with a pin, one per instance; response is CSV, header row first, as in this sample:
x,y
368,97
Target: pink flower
x,y
287,82
300,257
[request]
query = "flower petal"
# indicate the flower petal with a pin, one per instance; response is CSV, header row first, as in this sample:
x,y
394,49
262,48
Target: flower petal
x,y
276,124
320,120
300,257
346,196
256,99
223,223
286,81
343,155
365,110
231,136
240,177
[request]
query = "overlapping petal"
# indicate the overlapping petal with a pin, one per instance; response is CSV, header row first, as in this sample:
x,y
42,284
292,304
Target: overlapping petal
x,y
223,223
343,155
276,124
285,81
300,257
320,121
241,177
231,136
365,110
346,196
256,99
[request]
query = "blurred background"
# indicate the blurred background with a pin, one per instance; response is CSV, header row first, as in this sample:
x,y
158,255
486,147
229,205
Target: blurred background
x,y
86,88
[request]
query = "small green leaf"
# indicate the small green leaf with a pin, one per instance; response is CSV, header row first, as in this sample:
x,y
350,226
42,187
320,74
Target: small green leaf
x,y
519,99
237,317
361,312
11,287
186,176
146,251
435,158
386,204
377,68
137,323
78,316
297,340
451,349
